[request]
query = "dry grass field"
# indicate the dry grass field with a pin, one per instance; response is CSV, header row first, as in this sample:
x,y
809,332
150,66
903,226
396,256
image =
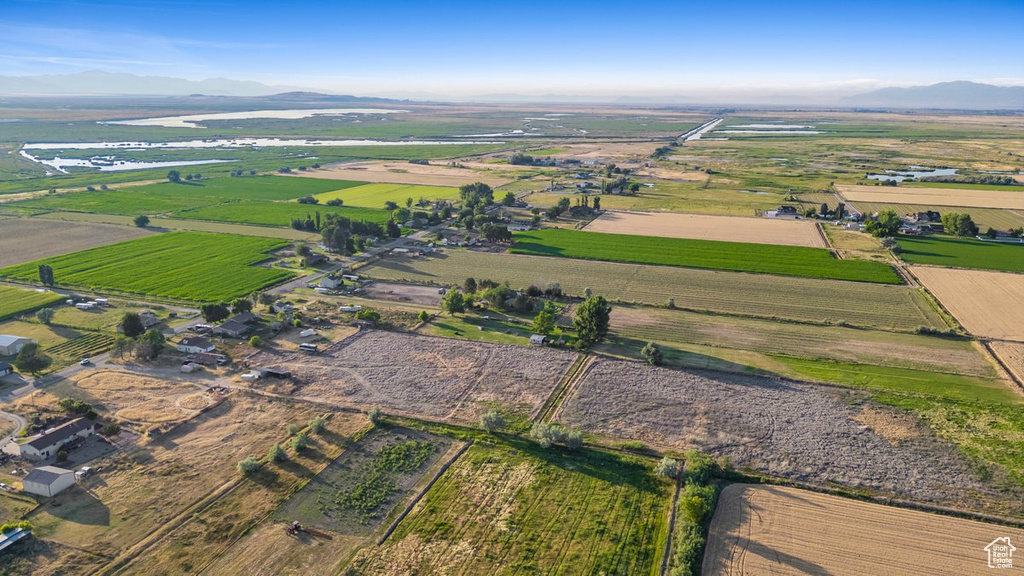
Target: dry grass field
x,y
707,227
404,173
1012,355
28,239
933,196
141,399
421,376
788,531
988,304
798,431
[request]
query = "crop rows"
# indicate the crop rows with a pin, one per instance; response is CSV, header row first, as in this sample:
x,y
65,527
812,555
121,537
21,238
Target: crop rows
x,y
14,301
962,253
766,296
278,213
186,265
521,508
799,261
83,346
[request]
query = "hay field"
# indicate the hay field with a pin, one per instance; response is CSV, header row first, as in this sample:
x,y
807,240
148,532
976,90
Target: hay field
x,y
25,240
404,173
988,304
766,296
1012,354
788,531
933,196
423,376
707,227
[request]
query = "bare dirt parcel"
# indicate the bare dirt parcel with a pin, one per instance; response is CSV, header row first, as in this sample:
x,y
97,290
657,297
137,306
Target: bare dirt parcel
x,y
788,531
26,239
988,304
707,227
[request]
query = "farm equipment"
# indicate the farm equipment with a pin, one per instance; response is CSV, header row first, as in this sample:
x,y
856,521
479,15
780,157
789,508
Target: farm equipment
x,y
295,529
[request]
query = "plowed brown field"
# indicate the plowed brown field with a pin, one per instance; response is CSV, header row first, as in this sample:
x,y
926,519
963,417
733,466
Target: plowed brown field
x,y
782,531
705,227
988,304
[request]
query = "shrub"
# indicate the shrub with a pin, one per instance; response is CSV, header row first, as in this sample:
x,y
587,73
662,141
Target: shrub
x,y
292,429
492,422
45,315
62,456
667,467
652,354
424,316
255,342
8,526
249,466
375,415
317,425
300,442
573,439
698,466
277,454
110,429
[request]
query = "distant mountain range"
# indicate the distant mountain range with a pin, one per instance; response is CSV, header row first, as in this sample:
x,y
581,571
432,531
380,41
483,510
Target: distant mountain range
x,y
108,83
948,95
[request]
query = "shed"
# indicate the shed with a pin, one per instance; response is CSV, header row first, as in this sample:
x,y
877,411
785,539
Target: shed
x,y
10,344
331,283
149,318
307,333
48,480
5,369
538,339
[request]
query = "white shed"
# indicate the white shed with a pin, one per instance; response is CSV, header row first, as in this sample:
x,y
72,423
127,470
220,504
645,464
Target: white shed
x,y
48,480
11,345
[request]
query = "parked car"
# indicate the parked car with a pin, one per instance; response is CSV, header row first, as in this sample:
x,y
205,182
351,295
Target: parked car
x,y
85,362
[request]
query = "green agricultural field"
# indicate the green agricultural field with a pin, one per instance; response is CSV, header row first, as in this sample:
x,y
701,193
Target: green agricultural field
x,y
766,296
183,265
720,197
522,509
14,301
167,197
375,195
962,253
736,256
277,213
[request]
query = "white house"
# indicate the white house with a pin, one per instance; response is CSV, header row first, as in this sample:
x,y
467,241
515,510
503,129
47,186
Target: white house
x,y
48,443
11,345
195,345
331,283
48,480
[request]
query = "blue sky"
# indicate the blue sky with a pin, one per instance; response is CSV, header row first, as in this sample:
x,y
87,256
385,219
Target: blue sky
x,y
468,48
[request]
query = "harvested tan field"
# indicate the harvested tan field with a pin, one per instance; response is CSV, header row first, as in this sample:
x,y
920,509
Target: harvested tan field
x,y
933,196
673,174
798,431
404,173
704,227
988,304
25,240
420,376
1012,355
782,531
142,399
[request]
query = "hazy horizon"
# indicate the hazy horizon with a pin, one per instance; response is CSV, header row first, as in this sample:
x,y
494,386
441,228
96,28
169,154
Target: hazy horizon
x,y
461,50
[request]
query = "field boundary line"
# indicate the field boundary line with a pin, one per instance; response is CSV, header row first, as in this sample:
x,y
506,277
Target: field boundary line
x,y
412,503
1014,377
665,559
824,237
945,313
560,391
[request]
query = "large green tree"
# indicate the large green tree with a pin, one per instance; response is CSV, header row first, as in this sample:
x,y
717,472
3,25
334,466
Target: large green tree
x,y
31,359
131,325
592,320
453,302
887,224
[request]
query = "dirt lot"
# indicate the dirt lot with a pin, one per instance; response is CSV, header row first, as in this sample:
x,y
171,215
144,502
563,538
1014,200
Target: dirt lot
x,y
424,295
404,173
436,378
933,196
141,399
988,304
798,431
703,227
24,239
783,531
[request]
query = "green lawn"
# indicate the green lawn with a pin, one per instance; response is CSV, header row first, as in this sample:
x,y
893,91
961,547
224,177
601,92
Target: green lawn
x,y
375,195
277,213
167,197
962,253
185,265
738,256
15,301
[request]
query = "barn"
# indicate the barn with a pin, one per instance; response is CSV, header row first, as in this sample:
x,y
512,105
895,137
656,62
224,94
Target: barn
x,y
48,480
10,345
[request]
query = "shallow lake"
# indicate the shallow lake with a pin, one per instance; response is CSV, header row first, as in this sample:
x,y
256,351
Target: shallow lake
x,y
901,175
193,120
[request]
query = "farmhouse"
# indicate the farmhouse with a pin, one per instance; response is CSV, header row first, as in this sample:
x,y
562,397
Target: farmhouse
x,y
48,480
11,345
315,259
232,328
49,442
5,369
195,345
149,319
210,359
246,318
